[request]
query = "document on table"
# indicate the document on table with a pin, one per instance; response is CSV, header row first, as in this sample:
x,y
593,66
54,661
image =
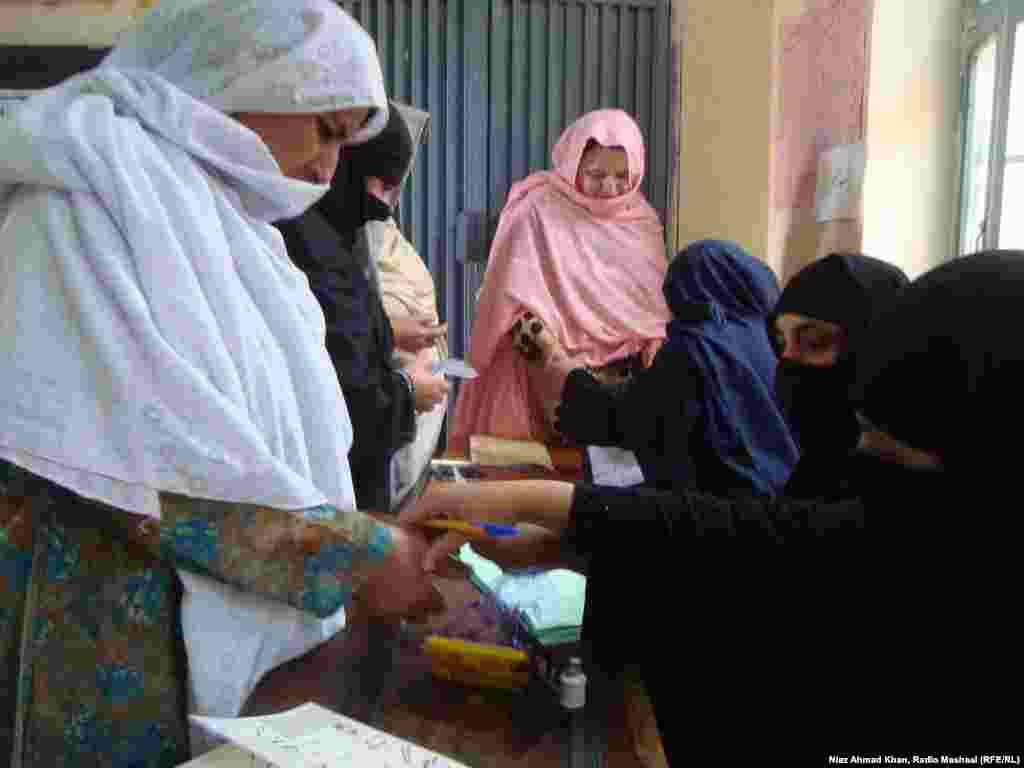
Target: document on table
x,y
490,451
309,736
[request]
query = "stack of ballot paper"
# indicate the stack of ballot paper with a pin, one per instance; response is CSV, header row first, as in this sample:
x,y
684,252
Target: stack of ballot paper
x,y
548,604
308,737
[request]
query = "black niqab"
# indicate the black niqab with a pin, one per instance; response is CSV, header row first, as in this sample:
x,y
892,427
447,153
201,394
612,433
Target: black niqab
x,y
945,368
388,156
849,290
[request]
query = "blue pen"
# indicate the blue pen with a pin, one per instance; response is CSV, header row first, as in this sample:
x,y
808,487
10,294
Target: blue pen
x,y
493,529
476,530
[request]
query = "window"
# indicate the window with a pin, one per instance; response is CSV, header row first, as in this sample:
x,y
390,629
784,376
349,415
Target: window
x,y
992,163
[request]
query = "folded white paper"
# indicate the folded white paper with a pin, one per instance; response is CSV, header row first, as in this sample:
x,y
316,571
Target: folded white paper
x,y
454,367
310,736
614,466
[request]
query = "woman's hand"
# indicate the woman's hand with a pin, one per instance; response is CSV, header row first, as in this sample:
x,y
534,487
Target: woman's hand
x,y
543,503
398,586
532,546
549,362
431,388
412,335
549,381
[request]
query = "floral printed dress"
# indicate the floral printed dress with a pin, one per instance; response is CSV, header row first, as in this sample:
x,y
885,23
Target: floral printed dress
x,y
92,664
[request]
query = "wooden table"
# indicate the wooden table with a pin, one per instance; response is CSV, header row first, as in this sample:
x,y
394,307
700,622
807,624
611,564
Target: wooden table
x,y
377,672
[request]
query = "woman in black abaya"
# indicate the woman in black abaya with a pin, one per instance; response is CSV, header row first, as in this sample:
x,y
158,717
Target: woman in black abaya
x,y
889,615
818,324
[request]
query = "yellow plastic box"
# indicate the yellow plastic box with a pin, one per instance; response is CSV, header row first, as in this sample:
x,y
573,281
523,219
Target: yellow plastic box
x,y
479,665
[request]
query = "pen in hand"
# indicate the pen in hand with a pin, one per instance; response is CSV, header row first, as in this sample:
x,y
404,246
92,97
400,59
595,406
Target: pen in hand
x,y
473,530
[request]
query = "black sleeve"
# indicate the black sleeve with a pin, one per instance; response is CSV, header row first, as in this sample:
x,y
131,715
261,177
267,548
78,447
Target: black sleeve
x,y
657,407
381,406
615,518
361,346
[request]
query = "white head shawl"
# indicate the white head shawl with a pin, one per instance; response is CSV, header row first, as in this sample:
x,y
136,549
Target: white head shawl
x,y
257,56
154,336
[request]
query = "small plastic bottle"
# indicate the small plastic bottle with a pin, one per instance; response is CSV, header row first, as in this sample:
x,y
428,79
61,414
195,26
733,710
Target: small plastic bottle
x,y
574,685
573,698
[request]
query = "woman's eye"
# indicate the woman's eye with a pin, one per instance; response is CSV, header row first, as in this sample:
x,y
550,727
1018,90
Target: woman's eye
x,y
329,133
821,343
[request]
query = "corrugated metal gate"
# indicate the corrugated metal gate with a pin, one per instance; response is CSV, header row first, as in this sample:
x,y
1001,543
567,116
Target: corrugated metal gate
x,y
501,79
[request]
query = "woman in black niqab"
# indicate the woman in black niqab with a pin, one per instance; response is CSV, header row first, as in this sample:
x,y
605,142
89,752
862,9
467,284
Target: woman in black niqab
x,y
939,394
885,619
820,322
328,244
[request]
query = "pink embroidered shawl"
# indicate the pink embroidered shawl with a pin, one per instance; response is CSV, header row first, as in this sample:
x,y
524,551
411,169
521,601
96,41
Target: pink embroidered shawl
x,y
590,268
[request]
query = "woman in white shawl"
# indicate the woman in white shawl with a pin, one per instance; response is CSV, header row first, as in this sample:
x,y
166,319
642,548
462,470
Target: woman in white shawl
x,y
166,399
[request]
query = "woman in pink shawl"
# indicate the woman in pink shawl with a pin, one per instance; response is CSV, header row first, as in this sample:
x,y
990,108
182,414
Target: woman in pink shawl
x,y
578,252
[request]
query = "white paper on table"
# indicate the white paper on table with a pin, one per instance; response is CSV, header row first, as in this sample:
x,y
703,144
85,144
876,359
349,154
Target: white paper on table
x,y
840,182
311,736
614,466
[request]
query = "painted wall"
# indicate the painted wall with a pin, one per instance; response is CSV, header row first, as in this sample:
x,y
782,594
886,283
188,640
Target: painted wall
x,y
730,102
66,22
912,133
794,236
724,158
911,139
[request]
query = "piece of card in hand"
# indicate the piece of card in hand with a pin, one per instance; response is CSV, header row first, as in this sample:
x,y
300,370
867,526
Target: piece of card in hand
x,y
454,367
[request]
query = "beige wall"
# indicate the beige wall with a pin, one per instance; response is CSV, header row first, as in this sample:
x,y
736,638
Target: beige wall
x,y
730,102
913,104
71,22
724,126
794,235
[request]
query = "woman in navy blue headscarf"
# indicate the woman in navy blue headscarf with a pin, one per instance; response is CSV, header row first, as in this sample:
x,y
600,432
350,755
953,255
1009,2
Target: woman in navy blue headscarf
x,y
703,416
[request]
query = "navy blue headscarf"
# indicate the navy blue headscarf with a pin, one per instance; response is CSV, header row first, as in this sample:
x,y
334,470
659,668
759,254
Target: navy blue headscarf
x,y
720,296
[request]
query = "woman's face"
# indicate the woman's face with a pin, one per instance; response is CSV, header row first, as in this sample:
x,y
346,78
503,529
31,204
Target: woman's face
x,y
603,172
807,340
306,147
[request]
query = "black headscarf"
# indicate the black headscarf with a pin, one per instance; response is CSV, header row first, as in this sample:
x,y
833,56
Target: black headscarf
x,y
388,156
944,370
328,243
847,289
